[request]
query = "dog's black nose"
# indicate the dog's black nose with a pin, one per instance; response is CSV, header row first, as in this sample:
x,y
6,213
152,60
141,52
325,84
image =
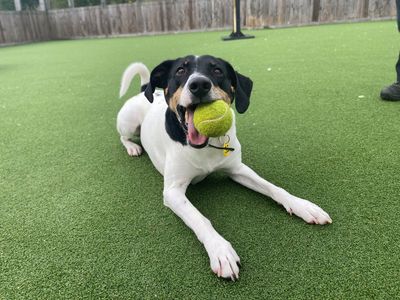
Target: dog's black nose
x,y
200,86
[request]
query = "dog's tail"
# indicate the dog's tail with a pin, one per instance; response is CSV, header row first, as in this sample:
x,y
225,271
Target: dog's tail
x,y
130,72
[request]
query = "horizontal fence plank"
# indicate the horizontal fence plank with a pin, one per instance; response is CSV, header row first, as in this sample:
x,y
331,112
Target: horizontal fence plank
x,y
180,15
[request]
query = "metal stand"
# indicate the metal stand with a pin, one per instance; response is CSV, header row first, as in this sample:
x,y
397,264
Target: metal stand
x,y
236,33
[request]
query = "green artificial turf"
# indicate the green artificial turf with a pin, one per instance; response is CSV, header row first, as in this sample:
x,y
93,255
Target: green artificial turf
x,y
79,218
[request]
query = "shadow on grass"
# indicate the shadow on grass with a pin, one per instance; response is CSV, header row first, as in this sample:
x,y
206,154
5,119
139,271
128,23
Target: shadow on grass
x,y
217,193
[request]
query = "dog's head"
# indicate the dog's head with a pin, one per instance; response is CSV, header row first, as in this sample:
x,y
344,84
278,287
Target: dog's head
x,y
192,80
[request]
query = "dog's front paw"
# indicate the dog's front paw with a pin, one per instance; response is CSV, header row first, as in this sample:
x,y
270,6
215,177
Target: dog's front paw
x,y
223,258
308,211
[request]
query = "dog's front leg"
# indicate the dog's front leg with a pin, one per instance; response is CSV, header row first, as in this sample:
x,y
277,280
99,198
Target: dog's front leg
x,y
306,210
223,258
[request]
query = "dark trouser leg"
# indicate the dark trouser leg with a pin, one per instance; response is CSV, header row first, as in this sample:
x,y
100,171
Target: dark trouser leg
x,y
398,13
398,69
392,92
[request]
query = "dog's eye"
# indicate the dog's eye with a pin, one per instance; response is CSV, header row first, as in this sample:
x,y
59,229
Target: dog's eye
x,y
217,71
180,71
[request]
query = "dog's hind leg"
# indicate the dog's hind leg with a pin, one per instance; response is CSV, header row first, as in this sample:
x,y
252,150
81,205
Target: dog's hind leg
x,y
132,114
129,120
132,148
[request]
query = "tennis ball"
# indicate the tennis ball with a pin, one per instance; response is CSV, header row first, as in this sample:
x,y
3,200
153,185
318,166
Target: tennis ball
x,y
213,119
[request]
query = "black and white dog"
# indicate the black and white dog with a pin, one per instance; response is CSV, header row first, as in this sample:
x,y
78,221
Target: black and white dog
x,y
164,121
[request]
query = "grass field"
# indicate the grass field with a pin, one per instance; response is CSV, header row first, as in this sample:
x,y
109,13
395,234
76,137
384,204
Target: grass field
x,y
80,219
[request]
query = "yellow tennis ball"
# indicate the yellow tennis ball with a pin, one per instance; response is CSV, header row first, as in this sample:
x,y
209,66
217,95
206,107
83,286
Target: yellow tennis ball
x,y
213,119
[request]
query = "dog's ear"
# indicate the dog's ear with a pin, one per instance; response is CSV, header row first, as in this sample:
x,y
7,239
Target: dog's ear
x,y
243,89
242,86
158,78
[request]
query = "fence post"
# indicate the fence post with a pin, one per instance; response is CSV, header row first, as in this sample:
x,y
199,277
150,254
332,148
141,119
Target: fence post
x,y
315,11
2,37
17,4
365,12
71,3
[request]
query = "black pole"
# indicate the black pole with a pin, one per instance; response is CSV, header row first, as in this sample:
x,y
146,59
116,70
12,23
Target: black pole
x,y
236,32
237,17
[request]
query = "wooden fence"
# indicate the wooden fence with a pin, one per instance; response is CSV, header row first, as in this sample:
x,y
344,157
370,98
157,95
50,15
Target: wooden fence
x,y
180,15
138,17
23,26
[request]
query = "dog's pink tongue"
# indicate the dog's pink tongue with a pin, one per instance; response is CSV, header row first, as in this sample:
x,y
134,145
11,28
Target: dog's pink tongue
x,y
195,138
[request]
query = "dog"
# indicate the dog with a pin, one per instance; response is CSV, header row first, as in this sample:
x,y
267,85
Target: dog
x,y
163,119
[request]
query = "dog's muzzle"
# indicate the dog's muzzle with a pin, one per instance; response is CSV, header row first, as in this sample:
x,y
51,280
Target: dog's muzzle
x,y
194,138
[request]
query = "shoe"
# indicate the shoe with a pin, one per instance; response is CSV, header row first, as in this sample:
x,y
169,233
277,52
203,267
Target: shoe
x,y
391,92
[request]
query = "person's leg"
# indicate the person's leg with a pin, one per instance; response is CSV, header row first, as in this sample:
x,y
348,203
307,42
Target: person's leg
x,y
398,14
392,92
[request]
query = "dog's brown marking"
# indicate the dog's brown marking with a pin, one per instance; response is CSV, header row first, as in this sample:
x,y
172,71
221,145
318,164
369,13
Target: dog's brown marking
x,y
221,94
166,91
173,101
